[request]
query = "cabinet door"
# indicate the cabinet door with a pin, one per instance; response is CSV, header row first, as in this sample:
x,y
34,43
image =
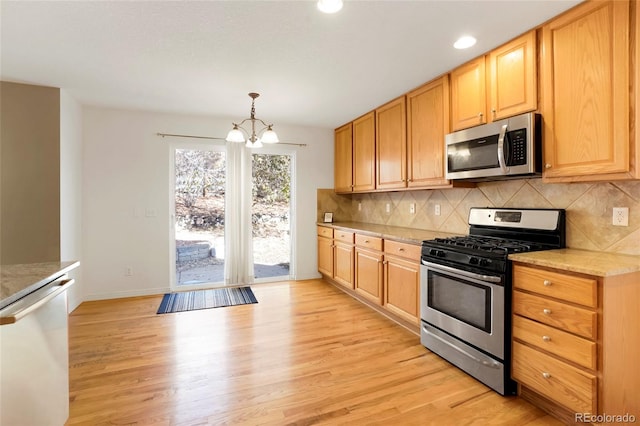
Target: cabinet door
x,y
325,256
585,55
343,165
368,280
343,264
364,153
469,95
391,145
513,86
427,124
401,287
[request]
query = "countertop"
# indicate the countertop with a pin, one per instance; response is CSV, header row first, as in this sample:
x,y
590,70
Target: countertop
x,y
16,281
396,233
600,264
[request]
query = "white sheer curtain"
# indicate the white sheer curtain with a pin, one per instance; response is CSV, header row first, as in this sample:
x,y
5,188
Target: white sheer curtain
x,y
238,241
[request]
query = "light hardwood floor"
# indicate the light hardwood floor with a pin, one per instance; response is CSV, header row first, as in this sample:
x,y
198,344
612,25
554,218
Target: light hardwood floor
x,y
305,354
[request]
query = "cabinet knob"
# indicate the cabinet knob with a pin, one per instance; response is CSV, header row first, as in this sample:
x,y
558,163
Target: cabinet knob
x,y
546,338
480,115
547,166
547,283
546,375
400,249
546,311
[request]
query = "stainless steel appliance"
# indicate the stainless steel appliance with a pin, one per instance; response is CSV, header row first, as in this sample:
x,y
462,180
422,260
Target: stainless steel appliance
x,y
503,149
34,365
465,299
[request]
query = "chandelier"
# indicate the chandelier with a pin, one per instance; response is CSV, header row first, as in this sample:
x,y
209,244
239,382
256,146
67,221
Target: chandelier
x,y
237,134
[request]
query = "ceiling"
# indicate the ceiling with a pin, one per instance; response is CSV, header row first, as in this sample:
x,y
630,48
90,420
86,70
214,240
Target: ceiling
x,y
203,57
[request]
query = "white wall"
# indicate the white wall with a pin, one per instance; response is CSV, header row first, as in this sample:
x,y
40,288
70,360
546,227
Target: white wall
x,y
126,175
71,192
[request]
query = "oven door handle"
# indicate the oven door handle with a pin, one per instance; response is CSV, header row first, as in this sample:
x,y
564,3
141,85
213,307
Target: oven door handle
x,y
501,157
491,364
487,278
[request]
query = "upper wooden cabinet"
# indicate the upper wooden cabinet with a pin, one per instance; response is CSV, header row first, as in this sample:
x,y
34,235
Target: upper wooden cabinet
x,y
391,145
512,84
427,124
469,95
364,153
513,78
343,163
586,72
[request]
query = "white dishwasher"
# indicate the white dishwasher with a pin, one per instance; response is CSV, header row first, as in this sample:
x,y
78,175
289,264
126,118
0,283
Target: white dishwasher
x,y
34,357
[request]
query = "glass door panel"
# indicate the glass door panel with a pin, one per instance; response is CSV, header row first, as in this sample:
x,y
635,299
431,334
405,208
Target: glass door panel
x,y
199,216
271,213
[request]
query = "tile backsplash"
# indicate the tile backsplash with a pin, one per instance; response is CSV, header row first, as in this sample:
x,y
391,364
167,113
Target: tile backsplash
x,y
588,205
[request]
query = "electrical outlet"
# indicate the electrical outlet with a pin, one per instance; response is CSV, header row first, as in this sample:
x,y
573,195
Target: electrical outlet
x,y
412,208
128,271
437,210
621,216
388,208
359,207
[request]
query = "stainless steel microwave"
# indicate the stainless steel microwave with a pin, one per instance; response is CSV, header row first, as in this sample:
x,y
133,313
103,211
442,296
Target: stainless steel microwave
x,y
503,149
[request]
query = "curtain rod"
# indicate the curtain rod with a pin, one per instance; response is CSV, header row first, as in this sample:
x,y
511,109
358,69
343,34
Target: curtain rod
x,y
219,139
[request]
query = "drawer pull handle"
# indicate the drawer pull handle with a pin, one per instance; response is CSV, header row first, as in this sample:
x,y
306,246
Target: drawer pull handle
x,y
547,283
546,338
366,241
400,249
546,375
546,311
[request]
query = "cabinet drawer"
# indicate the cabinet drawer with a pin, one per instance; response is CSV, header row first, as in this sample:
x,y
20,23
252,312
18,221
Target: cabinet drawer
x,y
582,291
323,231
570,347
569,318
373,243
344,236
409,251
558,381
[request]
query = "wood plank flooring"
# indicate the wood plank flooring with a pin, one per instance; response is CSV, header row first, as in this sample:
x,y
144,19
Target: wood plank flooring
x,y
305,354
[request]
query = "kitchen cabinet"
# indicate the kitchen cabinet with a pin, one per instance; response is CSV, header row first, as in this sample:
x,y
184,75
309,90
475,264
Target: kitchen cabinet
x,y
585,70
364,153
573,340
427,125
513,87
469,95
343,163
402,280
325,250
391,145
368,267
512,84
343,260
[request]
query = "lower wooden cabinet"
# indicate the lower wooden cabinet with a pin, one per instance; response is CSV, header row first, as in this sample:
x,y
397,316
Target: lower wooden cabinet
x,y
383,273
575,341
368,268
325,250
402,280
343,260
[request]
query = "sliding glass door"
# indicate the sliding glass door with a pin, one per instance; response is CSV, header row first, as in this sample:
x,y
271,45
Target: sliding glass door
x,y
232,215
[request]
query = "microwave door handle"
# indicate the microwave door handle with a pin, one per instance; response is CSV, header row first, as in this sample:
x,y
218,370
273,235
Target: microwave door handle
x,y
501,157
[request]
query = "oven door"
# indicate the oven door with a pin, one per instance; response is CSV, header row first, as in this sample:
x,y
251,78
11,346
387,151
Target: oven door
x,y
468,306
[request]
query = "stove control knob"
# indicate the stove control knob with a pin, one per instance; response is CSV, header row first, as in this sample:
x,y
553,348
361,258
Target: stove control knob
x,y
440,253
485,262
433,252
474,260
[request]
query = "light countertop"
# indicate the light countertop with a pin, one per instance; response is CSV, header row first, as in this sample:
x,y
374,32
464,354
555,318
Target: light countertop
x,y
396,233
601,264
16,281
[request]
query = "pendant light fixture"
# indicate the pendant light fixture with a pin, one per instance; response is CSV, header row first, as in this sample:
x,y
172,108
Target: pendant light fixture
x,y
237,134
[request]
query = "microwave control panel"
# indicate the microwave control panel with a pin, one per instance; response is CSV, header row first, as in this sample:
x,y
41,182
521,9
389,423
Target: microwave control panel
x,y
517,147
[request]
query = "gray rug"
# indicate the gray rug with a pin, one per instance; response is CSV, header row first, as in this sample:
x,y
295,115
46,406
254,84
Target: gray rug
x,y
205,299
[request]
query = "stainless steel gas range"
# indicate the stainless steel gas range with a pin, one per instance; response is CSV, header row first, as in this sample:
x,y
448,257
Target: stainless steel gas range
x,y
465,300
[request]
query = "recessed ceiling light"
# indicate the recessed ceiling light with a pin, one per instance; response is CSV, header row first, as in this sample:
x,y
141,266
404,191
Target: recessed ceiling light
x,y
329,6
464,42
